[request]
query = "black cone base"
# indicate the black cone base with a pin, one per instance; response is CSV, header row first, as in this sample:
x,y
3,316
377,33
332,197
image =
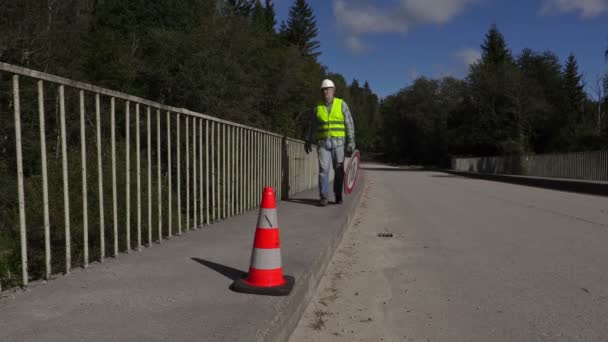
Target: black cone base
x,y
240,286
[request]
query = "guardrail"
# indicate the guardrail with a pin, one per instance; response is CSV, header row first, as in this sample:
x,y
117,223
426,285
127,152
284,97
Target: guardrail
x,y
157,171
581,165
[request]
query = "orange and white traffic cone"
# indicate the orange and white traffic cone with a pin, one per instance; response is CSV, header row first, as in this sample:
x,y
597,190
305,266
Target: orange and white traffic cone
x,y
265,271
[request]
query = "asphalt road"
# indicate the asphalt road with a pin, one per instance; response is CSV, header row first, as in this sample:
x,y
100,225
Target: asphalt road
x,y
469,260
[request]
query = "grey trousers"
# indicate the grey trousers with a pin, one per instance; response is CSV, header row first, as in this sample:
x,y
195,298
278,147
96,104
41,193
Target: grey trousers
x,y
331,154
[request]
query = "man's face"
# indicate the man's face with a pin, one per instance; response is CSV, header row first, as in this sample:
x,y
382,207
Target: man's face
x,y
328,94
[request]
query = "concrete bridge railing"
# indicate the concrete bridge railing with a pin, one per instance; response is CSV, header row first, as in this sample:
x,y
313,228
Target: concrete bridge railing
x,y
581,166
91,173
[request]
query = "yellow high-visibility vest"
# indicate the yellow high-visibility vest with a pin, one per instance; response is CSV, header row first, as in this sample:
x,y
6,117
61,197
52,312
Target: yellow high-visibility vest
x,y
330,124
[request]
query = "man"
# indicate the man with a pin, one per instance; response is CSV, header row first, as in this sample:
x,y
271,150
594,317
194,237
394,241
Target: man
x,y
332,127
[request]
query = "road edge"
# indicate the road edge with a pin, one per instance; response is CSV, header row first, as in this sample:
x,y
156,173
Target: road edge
x,y
290,311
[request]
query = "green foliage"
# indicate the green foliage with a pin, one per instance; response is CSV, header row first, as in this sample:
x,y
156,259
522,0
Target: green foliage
x,y
542,96
494,48
301,29
416,120
505,106
270,16
238,7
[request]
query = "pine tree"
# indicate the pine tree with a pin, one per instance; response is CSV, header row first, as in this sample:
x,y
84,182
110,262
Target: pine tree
x,y
270,14
366,87
258,17
494,49
542,88
572,83
497,125
301,29
574,97
355,88
239,7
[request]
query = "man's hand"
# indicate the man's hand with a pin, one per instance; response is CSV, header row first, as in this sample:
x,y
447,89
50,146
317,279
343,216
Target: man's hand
x,y
350,148
307,147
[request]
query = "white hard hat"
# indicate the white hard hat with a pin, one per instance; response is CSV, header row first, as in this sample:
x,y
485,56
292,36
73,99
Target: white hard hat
x,y
327,84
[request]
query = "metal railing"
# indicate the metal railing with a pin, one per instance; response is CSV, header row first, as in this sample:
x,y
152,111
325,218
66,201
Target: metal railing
x,y
157,171
581,165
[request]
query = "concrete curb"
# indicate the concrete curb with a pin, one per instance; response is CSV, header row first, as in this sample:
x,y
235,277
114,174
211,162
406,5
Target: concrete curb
x,y
570,185
290,311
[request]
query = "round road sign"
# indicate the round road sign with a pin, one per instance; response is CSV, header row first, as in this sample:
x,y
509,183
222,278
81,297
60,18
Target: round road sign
x,y
352,171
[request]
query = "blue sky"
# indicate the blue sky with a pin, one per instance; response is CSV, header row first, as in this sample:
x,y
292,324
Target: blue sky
x,y
391,42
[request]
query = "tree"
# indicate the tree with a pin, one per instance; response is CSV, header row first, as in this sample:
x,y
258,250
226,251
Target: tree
x,y
258,16
416,120
496,96
574,93
270,15
572,81
542,96
301,29
494,49
44,34
600,94
239,7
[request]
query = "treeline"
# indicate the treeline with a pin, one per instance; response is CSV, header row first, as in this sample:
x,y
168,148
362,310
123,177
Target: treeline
x,y
226,58
506,105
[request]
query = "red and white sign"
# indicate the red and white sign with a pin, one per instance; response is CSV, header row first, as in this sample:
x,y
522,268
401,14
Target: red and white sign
x,y
351,172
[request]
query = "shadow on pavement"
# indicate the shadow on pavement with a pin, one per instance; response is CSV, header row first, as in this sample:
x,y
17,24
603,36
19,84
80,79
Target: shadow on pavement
x,y
446,176
570,185
307,201
228,272
368,168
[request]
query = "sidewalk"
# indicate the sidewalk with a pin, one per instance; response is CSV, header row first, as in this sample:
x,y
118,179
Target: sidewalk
x,y
179,290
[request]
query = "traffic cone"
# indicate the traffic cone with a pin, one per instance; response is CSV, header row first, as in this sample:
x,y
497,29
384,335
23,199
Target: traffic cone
x,y
265,275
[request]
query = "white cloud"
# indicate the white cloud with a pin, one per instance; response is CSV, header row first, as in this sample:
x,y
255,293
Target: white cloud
x,y
367,19
586,8
359,17
354,44
467,56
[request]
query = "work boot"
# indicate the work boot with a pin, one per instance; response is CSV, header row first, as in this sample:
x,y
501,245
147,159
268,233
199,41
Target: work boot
x,y
338,199
323,202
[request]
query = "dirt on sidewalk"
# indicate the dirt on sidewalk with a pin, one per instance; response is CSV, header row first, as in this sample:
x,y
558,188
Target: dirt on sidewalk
x,y
350,302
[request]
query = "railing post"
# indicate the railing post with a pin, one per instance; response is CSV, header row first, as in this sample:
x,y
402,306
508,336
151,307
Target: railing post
x,y
20,191
187,173
213,173
158,171
224,185
194,176
207,172
114,194
128,177
179,176
285,169
66,190
138,173
149,150
45,186
85,205
102,229
169,171
201,173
